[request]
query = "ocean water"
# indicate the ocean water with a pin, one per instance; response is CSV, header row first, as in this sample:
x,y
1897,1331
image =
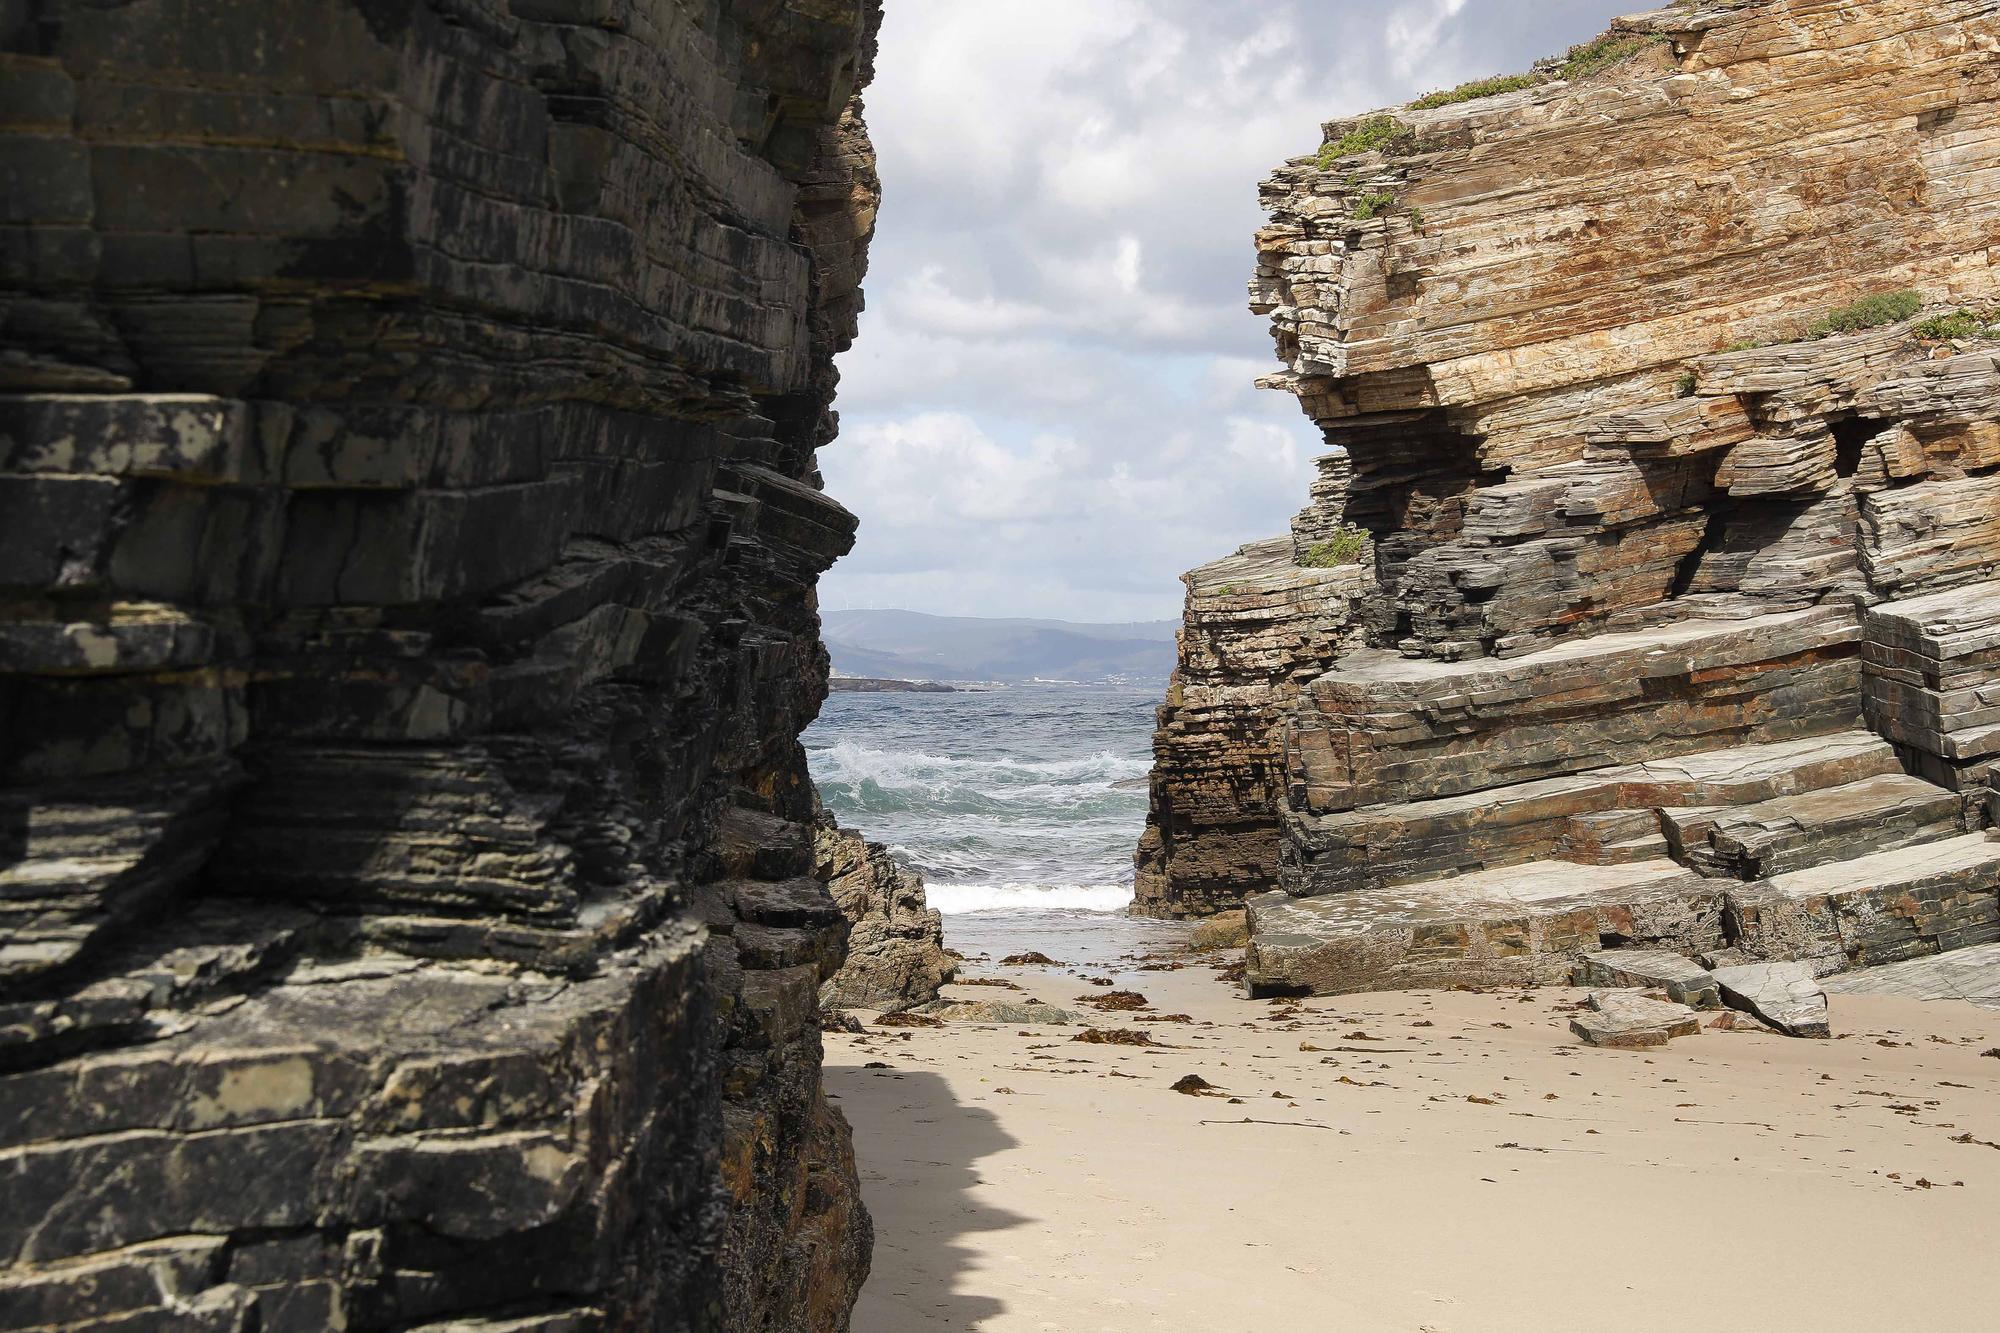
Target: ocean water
x,y
1019,805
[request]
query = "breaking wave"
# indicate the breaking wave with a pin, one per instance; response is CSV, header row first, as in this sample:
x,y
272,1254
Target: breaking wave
x,y
1025,799
853,762
958,899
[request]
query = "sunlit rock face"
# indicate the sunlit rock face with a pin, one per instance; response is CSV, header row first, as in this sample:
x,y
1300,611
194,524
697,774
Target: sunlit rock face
x,y
1653,519
409,524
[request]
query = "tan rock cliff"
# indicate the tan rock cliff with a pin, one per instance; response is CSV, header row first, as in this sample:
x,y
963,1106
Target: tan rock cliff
x,y
1676,461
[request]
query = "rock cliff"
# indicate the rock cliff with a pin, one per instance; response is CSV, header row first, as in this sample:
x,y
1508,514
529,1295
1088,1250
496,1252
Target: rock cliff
x,y
409,525
1664,383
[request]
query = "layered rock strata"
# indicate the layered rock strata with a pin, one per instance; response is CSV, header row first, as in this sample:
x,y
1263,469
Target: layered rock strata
x,y
408,529
896,957
1257,628
1677,628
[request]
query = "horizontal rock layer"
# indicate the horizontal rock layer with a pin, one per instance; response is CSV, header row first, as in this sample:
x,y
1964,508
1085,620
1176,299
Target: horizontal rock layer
x,y
408,529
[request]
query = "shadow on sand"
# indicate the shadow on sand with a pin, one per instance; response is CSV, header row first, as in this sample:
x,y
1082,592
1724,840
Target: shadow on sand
x,y
916,1146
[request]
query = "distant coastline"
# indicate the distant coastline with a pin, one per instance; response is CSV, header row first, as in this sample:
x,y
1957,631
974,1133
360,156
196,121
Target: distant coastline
x,y
885,644
870,685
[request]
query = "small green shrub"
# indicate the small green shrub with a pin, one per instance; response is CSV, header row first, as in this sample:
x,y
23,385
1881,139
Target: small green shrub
x,y
1345,547
1601,53
1870,312
1416,216
1478,88
1366,137
1684,386
1958,325
1743,345
1373,205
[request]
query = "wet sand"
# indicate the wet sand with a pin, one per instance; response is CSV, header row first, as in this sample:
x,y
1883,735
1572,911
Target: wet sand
x,y
1440,1161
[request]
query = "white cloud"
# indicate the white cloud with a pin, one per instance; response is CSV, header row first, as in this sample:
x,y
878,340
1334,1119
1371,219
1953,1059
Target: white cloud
x,y
1414,31
1049,410
939,469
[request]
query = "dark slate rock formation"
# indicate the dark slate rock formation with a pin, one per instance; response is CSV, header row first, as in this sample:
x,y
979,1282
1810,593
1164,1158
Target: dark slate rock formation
x,y
408,530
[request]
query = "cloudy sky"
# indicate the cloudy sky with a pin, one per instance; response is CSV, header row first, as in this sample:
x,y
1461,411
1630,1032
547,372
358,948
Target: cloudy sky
x,y
1050,410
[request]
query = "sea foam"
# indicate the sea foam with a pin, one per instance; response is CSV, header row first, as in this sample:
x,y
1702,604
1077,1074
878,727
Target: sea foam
x,y
963,899
1006,802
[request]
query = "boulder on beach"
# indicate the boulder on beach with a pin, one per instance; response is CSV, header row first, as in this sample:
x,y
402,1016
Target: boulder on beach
x,y
1785,995
1627,1020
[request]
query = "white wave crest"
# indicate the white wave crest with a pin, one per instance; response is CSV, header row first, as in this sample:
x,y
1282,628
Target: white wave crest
x,y
958,899
849,761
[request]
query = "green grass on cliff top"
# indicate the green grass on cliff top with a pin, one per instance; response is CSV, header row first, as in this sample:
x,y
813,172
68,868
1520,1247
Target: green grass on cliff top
x,y
1366,137
1580,62
1346,547
1956,327
1478,88
1600,54
1874,312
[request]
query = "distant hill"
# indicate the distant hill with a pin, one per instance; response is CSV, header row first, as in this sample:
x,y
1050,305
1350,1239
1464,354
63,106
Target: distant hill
x,y
911,645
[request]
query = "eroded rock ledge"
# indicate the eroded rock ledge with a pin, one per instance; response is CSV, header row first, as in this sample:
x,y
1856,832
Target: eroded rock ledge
x,y
1677,621
408,529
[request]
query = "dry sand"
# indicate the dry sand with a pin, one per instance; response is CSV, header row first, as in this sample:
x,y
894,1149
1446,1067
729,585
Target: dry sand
x,y
1469,1167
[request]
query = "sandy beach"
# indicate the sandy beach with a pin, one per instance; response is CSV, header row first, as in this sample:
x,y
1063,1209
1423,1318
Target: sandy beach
x,y
1443,1162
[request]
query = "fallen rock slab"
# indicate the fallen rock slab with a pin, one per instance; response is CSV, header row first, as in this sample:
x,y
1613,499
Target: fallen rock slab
x,y
1224,930
1627,1021
1785,995
1681,978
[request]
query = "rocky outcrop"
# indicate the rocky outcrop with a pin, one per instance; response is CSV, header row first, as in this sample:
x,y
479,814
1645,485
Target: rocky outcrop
x,y
1666,388
408,527
1257,627
895,942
